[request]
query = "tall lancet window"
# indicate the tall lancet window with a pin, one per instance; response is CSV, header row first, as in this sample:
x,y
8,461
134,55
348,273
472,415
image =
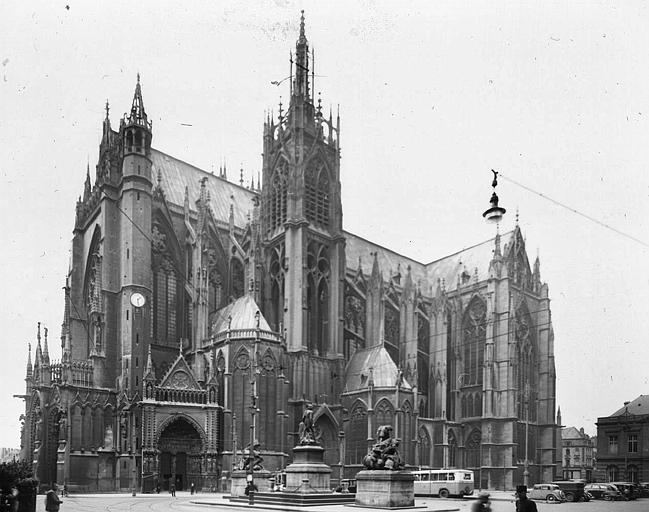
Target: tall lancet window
x,y
166,301
276,212
318,297
525,361
317,188
277,270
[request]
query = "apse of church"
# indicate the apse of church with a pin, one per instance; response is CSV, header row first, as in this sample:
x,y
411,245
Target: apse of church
x,y
192,301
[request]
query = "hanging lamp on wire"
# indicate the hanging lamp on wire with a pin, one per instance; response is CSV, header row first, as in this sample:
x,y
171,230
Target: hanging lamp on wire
x,y
495,213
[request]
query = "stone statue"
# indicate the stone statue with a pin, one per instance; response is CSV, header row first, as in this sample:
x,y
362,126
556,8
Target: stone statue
x,y
383,454
307,435
252,460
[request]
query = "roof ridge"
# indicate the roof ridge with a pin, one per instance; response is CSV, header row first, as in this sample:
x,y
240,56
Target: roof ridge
x,y
468,248
207,173
384,248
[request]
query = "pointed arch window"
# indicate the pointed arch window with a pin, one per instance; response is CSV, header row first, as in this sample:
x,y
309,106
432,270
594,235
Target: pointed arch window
x,y
423,350
238,278
356,447
474,326
473,450
277,199
277,271
317,193
452,450
525,361
318,297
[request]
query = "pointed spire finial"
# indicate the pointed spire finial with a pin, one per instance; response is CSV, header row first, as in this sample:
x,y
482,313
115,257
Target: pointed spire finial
x,y
29,359
302,35
517,215
107,108
46,351
241,176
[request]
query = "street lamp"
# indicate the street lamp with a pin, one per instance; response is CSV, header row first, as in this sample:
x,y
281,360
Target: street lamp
x,y
494,213
526,398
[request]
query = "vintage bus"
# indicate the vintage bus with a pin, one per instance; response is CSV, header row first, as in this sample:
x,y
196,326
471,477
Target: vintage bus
x,y
443,482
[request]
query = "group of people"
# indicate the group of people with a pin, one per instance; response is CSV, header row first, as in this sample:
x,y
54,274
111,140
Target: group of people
x,y
523,504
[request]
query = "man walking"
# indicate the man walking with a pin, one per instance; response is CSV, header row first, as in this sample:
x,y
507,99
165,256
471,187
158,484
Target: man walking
x,y
482,503
522,503
52,500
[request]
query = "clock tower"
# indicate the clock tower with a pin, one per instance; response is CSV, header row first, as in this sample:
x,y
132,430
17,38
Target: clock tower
x,y
135,203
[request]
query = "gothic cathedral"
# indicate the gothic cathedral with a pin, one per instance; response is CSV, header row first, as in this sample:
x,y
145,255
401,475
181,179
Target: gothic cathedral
x,y
202,316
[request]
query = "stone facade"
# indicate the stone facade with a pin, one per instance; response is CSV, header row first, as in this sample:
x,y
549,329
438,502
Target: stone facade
x,y
622,446
577,454
192,301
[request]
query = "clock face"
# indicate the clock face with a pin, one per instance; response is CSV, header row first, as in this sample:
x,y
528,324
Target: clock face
x,y
137,299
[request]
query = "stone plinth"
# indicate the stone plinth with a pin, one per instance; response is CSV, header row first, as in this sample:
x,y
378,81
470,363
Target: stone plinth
x,y
239,482
385,489
308,473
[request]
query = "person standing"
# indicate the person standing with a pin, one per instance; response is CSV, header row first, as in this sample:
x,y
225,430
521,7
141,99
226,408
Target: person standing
x,y
52,500
191,488
172,489
482,504
522,503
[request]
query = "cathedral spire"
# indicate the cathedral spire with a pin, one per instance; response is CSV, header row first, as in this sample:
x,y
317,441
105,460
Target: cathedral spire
x,y
301,83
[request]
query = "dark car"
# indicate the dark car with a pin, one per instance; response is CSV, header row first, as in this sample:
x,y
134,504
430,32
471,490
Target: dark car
x,y
629,490
604,491
574,491
644,489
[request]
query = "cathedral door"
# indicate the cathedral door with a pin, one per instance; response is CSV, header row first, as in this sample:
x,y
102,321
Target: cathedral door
x,y
179,442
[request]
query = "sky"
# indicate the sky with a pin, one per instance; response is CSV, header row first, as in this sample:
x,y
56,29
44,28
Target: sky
x,y
432,95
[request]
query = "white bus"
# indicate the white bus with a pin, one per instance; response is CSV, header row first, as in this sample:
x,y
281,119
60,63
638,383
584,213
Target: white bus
x,y
443,482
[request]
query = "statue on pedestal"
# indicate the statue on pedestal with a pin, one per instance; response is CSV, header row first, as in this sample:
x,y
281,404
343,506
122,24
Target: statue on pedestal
x,y
384,454
307,434
252,460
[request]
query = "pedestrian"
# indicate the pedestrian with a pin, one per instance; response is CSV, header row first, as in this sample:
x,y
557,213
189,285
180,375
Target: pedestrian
x,y
522,503
482,504
191,488
172,489
52,500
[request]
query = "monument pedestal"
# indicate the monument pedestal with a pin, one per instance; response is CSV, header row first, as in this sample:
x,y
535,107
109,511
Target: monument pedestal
x,y
308,473
239,482
385,489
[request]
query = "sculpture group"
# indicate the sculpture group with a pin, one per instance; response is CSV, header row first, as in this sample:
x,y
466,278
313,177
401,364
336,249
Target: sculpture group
x,y
384,454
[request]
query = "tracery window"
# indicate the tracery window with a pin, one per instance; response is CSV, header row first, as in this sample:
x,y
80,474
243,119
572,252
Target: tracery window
x,y
452,450
357,434
277,271
317,190
473,449
353,321
317,297
424,447
278,197
474,331
391,330
423,336
525,360
451,369
166,299
238,278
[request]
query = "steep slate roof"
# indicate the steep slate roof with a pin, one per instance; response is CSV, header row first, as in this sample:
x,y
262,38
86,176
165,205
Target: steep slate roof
x,y
449,267
639,406
242,312
384,370
176,175
571,433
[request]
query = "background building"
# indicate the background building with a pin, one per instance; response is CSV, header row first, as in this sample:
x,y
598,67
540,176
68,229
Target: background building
x,y
622,446
192,301
577,450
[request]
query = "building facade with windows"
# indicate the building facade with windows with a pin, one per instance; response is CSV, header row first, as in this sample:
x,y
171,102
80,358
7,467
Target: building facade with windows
x,y
192,301
577,454
623,443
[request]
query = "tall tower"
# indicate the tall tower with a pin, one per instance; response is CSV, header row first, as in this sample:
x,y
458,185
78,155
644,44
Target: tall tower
x,y
302,229
135,248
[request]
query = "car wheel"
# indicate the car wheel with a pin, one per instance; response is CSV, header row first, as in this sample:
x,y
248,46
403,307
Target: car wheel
x,y
551,497
443,493
608,498
570,497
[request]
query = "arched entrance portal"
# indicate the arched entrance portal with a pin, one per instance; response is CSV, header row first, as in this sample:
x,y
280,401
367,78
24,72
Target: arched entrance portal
x,y
181,452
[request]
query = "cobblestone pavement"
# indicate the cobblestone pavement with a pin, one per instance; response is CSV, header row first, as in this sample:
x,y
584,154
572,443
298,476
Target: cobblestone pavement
x,y
183,503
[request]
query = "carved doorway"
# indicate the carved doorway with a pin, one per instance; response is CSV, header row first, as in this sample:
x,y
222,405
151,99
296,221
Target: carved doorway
x,y
181,449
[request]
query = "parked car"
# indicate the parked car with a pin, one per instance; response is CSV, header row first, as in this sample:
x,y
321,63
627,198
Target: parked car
x,y
644,489
629,490
547,492
604,491
574,490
